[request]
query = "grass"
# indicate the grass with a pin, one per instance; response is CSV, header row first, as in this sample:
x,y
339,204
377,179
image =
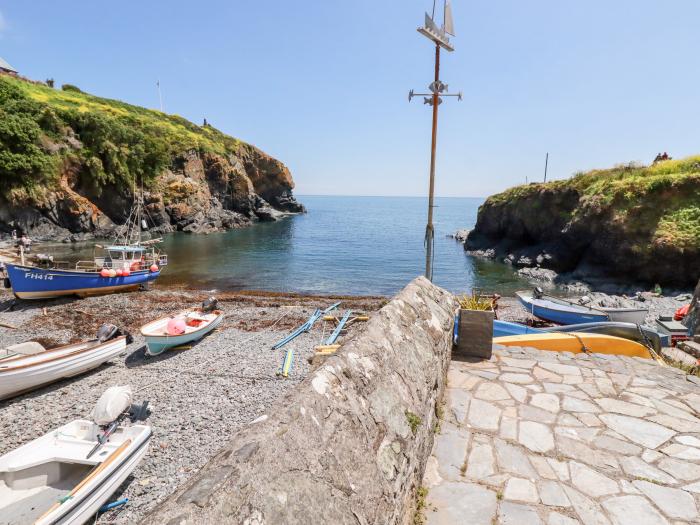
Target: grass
x,y
662,199
413,421
421,504
120,144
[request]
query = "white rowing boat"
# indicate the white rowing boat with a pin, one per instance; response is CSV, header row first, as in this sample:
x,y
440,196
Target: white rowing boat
x,y
28,366
65,476
196,323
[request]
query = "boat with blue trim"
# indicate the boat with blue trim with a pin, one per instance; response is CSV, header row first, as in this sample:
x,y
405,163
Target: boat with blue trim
x,y
126,265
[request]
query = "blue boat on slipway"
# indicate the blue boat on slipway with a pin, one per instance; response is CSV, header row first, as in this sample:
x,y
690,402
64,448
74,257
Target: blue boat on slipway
x,y
126,265
559,311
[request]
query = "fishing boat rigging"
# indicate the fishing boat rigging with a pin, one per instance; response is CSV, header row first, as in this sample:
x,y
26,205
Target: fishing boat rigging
x,y
127,264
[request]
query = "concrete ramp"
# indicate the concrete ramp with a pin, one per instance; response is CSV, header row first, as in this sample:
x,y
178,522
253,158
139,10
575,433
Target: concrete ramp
x,y
350,443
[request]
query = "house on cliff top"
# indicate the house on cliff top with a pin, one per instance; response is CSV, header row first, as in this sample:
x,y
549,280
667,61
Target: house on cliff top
x,y
6,68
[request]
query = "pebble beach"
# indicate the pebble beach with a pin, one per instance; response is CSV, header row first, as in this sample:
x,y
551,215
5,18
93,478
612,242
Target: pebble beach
x,y
198,397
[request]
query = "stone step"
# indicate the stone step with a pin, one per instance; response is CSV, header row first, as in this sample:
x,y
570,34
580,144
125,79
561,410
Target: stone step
x,y
690,347
678,355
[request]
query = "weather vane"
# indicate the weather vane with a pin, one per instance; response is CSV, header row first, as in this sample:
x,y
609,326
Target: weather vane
x,y
440,35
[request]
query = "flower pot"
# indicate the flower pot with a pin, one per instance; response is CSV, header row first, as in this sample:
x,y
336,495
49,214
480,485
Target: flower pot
x,y
474,334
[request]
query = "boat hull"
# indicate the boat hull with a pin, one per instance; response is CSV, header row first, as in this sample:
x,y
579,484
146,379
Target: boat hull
x,y
29,282
629,331
574,342
560,313
24,373
627,315
43,464
157,344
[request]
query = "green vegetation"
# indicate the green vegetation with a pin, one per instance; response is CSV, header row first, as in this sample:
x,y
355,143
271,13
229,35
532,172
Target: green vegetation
x,y
119,143
413,421
662,198
419,516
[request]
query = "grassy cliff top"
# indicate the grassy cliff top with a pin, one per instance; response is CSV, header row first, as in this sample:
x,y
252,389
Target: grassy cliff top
x,y
118,142
663,198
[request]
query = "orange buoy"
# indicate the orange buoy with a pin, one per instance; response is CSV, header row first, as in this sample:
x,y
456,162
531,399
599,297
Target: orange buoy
x,y
154,268
112,273
104,272
126,272
118,271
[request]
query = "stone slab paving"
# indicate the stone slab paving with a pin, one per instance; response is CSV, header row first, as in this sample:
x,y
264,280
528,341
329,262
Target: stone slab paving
x,y
533,437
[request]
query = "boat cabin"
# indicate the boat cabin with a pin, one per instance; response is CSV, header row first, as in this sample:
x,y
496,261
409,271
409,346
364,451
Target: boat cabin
x,y
118,256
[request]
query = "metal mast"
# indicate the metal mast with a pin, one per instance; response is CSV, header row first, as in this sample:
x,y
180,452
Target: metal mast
x,y
439,36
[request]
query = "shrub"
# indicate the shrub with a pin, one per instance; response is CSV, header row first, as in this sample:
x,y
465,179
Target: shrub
x,y
71,87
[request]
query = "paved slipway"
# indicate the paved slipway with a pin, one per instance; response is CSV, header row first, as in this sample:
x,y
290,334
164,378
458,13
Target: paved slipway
x,y
533,437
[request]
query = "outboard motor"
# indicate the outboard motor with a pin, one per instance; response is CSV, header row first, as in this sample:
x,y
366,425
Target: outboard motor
x,y
210,304
106,332
538,293
109,331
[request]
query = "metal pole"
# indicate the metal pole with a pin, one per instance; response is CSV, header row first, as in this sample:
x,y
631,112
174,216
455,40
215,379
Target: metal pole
x,y
546,162
429,230
160,98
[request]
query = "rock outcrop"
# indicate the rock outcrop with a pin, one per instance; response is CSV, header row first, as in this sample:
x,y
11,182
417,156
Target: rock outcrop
x,y
629,223
198,193
350,444
69,162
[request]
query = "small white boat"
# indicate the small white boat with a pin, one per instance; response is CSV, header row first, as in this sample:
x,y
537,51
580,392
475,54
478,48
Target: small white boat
x,y
193,324
55,478
29,365
627,315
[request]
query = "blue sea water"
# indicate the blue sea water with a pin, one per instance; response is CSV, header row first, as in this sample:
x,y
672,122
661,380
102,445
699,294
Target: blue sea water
x,y
343,245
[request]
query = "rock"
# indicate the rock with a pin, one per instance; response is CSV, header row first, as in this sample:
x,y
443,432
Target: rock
x,y
639,431
461,503
198,193
460,235
516,514
538,274
553,495
535,436
633,510
340,463
591,482
675,503
520,489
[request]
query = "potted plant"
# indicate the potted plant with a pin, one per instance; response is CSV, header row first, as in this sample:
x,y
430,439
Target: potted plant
x,y
474,326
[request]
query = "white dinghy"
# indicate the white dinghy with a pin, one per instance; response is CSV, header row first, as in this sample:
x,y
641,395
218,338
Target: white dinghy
x,y
68,474
27,366
182,328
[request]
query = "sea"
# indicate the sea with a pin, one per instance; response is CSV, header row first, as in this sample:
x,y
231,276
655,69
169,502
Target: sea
x,y
343,245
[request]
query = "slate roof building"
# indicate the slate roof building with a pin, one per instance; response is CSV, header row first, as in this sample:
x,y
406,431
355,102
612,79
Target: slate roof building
x,y
6,68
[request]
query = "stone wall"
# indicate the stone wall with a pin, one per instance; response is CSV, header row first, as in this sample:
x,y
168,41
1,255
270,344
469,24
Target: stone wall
x,y
350,444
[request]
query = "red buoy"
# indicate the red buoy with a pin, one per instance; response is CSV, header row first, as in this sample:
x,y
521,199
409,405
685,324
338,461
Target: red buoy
x,y
119,272
126,272
154,268
104,272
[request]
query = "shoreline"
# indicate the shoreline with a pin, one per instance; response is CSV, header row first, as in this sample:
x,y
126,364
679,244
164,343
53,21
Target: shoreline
x,y
198,396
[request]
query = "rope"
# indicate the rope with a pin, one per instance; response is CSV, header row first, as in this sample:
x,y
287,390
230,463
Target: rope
x,y
214,357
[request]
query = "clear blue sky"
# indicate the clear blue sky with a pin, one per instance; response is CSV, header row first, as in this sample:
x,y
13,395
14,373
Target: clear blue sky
x,y
322,85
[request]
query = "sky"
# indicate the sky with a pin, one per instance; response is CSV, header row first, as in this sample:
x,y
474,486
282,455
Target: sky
x,y
322,85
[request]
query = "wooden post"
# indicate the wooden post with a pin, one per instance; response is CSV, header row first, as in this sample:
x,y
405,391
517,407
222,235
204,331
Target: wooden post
x,y
429,230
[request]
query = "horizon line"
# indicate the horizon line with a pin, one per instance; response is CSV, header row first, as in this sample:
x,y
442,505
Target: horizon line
x,y
383,196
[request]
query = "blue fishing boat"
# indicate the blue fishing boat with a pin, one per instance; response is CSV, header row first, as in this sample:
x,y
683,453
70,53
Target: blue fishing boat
x,y
126,265
559,311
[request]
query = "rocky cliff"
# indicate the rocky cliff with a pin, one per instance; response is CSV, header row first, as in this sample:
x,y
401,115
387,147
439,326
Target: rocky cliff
x,y
632,223
69,164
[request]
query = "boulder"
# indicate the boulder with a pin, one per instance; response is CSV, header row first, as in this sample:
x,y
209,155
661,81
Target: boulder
x,y
350,443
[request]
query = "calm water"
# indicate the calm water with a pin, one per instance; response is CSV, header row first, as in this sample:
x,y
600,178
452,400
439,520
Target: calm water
x,y
346,245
